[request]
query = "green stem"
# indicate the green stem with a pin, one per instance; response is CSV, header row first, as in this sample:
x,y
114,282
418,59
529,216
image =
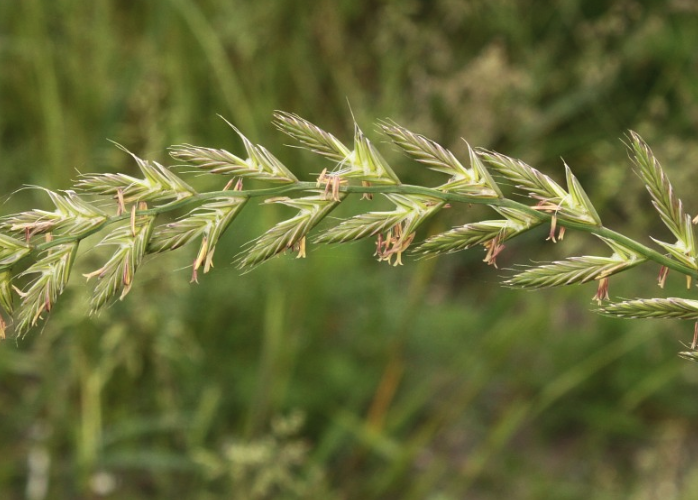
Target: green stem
x,y
637,247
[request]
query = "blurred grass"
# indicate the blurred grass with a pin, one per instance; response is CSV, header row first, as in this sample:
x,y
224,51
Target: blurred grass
x,y
422,382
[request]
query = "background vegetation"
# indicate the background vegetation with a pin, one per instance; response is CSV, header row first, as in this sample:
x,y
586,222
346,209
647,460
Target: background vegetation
x,y
427,381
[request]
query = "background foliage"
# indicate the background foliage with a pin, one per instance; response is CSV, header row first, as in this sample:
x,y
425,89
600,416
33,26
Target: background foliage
x,y
424,381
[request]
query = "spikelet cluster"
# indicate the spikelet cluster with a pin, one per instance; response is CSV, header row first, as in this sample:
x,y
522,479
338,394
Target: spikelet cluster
x,y
38,247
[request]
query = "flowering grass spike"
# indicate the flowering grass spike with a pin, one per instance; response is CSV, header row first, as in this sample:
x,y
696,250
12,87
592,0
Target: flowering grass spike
x,y
38,247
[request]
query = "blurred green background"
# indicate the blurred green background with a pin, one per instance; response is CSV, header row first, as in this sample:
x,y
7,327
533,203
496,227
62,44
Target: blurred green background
x,y
336,377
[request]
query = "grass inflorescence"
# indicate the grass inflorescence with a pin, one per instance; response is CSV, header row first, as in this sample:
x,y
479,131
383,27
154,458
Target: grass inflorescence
x,y
42,245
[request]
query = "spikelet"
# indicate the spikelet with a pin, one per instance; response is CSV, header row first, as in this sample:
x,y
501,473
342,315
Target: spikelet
x,y
116,276
51,272
158,184
289,234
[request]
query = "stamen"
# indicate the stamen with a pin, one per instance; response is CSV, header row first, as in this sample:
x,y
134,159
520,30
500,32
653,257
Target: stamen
x,y
301,248
553,225
494,248
601,291
366,196
663,273
120,205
